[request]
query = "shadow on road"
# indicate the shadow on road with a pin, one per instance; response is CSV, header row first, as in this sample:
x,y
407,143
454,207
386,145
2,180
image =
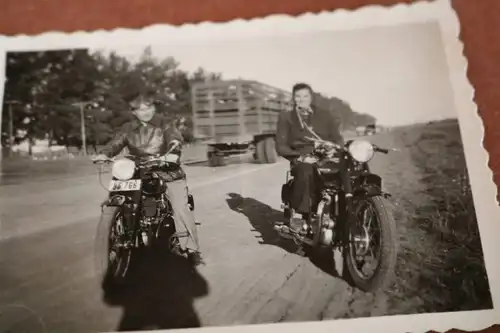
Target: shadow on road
x,y
159,294
262,217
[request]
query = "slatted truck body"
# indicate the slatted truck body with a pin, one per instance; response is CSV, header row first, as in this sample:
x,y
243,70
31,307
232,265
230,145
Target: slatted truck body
x,y
237,116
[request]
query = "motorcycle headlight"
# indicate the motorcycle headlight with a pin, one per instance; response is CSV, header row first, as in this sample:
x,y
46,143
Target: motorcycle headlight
x,y
123,169
361,150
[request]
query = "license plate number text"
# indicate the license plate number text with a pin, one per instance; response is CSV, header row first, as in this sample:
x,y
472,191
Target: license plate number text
x,y
125,185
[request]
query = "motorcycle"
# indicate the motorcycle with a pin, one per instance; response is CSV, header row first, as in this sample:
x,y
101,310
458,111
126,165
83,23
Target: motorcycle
x,y
350,193
135,215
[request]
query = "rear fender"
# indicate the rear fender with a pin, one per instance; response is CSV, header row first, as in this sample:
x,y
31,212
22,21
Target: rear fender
x,y
191,202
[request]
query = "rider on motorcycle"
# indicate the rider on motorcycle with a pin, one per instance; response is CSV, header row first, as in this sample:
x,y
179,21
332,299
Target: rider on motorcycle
x,y
292,129
149,134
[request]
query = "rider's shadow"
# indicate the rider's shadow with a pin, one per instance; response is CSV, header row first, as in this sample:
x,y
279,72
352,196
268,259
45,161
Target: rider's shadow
x,y
262,217
159,294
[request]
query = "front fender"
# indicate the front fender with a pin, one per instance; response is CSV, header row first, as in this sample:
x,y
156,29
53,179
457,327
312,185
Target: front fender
x,y
368,184
114,201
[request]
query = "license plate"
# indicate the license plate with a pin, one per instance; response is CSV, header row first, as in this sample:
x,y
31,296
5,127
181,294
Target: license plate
x,y
125,185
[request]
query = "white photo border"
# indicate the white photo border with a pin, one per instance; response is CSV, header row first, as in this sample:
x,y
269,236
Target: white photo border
x,y
481,177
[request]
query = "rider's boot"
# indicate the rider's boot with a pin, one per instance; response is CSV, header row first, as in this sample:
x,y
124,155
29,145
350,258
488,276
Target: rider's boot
x,y
304,230
195,258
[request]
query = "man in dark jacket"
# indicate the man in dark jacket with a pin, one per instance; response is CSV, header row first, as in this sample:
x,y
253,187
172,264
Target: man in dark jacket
x,y
149,134
291,143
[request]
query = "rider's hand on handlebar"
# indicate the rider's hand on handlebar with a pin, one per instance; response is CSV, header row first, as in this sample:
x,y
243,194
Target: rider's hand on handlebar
x,y
172,158
307,159
100,158
174,144
325,146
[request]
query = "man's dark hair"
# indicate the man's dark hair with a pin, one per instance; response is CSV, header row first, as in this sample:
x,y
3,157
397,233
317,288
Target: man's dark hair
x,y
301,86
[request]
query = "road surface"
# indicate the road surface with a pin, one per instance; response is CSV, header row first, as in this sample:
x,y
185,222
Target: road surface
x,y
250,276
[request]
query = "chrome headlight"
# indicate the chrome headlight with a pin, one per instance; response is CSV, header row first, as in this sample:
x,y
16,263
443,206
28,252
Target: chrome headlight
x,y
361,150
123,169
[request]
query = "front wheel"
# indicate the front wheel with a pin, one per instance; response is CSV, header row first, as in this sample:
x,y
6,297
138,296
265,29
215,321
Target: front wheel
x,y
371,233
113,250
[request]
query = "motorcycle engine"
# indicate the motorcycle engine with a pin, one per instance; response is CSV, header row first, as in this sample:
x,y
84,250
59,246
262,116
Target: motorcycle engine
x,y
326,223
153,207
149,206
154,201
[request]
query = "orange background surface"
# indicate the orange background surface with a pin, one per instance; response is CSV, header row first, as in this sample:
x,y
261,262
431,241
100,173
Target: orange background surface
x,y
479,33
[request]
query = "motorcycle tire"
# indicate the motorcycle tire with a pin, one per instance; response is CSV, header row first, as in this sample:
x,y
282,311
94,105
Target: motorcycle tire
x,y
110,276
387,250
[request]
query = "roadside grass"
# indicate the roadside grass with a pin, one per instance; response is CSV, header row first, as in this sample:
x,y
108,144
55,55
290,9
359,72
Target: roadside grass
x,y
441,262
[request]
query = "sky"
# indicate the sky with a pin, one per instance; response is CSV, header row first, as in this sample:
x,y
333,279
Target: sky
x,y
396,73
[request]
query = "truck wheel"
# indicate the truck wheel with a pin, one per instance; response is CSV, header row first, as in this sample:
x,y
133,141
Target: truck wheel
x,y
270,148
260,150
215,160
266,151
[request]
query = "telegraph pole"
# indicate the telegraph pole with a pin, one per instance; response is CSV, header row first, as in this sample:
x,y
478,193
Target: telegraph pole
x,y
11,124
82,124
11,130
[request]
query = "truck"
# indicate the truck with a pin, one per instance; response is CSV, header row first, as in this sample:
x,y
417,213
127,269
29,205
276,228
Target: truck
x,y
235,117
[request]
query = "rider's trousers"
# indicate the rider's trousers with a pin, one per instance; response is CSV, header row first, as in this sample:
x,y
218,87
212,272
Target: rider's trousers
x,y
184,219
304,189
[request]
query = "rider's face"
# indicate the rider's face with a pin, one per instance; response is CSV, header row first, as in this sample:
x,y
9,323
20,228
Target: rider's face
x,y
303,98
144,112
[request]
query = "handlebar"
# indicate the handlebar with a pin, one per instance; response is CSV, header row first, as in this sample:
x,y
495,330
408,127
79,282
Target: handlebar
x,y
345,147
159,159
106,161
381,150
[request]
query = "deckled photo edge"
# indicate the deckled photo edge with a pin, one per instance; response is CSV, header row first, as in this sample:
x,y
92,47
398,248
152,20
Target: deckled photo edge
x,y
471,126
484,189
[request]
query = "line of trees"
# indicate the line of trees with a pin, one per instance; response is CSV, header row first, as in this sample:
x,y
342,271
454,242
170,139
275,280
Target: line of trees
x,y
44,91
349,119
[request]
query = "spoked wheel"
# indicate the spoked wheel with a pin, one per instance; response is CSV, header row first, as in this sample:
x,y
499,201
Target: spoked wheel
x,y
370,255
113,254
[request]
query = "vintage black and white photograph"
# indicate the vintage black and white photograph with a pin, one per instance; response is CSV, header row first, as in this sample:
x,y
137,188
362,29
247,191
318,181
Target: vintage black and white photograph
x,y
268,174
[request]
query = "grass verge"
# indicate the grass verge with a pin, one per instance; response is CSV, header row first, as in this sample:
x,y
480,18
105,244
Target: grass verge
x,y
446,244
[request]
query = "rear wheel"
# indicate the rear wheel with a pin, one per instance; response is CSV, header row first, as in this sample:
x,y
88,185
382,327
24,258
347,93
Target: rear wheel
x,y
112,255
260,152
372,234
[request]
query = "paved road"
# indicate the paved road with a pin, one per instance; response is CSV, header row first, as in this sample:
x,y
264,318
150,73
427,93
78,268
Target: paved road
x,y
250,276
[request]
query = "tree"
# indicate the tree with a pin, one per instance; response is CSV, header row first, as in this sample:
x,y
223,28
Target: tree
x,y
46,84
348,118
